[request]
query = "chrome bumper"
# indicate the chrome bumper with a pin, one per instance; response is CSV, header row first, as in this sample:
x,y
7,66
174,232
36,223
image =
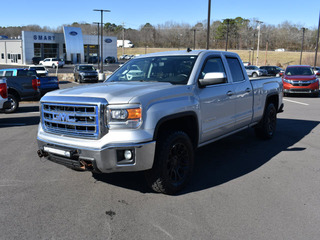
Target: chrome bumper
x,y
108,159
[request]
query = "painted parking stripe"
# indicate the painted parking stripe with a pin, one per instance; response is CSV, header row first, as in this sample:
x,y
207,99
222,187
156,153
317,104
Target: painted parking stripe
x,y
296,102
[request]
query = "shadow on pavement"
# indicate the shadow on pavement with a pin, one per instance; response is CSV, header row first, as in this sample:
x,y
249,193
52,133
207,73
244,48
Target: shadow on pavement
x,y
16,119
227,159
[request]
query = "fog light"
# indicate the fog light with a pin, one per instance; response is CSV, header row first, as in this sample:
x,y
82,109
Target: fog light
x,y
127,154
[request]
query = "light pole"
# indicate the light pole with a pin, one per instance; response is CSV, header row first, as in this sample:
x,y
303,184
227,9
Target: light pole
x,y
101,11
315,58
208,26
259,22
98,53
303,29
228,21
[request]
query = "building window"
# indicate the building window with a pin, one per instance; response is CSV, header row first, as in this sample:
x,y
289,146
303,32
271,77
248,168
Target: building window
x,y
50,50
37,50
9,55
19,56
2,55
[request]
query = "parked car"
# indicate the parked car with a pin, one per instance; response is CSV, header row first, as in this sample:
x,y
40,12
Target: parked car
x,y
300,79
316,70
36,60
122,57
85,73
23,85
4,103
273,70
41,70
254,71
110,59
52,62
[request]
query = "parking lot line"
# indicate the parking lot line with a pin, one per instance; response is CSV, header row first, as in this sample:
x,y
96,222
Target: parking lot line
x,y
306,104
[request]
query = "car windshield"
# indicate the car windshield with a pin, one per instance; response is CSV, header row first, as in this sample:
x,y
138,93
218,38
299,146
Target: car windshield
x,y
86,68
172,69
299,71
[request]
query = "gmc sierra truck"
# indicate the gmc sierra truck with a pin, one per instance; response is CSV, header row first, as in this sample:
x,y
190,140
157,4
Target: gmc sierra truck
x,y
153,121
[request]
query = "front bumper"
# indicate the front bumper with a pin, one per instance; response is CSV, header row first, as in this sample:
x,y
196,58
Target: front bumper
x,y
301,91
107,159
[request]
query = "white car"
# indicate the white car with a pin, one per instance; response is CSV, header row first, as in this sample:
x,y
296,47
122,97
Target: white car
x,y
41,70
52,62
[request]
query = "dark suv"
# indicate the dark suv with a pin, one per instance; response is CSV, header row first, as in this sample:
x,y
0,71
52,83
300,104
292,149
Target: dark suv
x,y
85,73
273,70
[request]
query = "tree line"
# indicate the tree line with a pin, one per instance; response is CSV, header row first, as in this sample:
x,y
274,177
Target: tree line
x,y
242,34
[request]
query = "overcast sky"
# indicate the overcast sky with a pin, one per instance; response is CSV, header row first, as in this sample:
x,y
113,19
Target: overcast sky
x,y
134,13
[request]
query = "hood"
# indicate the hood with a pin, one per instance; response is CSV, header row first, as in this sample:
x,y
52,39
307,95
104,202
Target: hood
x,y
88,71
300,77
113,92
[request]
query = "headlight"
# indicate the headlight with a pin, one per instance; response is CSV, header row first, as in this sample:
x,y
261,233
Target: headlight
x,y
124,117
287,81
314,80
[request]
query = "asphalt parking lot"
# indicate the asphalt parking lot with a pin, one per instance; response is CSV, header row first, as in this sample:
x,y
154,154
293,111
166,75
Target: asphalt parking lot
x,y
242,188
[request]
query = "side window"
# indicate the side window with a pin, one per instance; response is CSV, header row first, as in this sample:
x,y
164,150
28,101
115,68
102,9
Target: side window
x,y
9,73
235,69
213,65
1,73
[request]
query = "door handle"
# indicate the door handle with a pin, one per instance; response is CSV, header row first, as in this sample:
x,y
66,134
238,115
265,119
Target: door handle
x,y
248,90
230,93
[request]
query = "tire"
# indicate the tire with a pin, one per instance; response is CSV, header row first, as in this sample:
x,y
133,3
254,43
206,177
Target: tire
x,y
14,104
53,66
173,164
267,126
254,75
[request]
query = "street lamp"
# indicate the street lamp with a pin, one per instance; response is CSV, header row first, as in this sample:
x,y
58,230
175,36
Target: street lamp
x,y
228,21
208,26
98,44
101,11
259,22
303,29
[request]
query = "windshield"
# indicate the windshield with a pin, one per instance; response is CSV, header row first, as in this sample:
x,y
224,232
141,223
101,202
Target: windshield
x,y
299,71
86,68
172,69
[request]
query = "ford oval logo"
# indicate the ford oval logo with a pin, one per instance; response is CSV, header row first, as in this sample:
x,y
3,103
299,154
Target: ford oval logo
x,y
73,33
108,40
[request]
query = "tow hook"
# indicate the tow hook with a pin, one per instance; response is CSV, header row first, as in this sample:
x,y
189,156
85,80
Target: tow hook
x,y
41,153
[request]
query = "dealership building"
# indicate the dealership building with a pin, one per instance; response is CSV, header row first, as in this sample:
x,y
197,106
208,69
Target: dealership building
x,y
70,45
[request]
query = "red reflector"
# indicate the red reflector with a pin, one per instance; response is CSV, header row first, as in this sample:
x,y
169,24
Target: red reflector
x,y
3,90
35,84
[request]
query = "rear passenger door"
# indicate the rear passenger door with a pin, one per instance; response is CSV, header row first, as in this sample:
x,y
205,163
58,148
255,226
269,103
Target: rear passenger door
x,y
217,102
243,93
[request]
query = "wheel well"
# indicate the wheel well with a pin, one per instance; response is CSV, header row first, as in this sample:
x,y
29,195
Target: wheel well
x,y
14,92
181,122
273,99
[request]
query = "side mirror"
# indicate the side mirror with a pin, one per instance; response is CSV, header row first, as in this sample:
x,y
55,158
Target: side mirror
x,y
281,74
213,78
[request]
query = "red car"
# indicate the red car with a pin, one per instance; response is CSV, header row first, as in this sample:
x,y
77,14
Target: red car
x,y
300,79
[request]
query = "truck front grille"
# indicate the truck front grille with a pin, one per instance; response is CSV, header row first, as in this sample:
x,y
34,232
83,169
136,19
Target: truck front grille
x,y
71,119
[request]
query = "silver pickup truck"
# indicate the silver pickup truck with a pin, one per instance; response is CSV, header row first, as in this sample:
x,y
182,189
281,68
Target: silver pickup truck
x,y
153,112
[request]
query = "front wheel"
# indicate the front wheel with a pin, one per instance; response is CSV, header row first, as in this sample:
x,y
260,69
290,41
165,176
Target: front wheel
x,y
173,163
267,126
254,75
14,104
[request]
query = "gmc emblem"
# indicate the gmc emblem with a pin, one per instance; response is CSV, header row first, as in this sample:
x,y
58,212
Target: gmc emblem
x,y
64,117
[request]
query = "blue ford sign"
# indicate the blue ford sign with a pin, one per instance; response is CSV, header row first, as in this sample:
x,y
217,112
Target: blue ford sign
x,y
73,33
108,40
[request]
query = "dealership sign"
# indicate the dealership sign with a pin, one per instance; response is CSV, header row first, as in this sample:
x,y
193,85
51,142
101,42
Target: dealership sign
x,y
108,40
43,38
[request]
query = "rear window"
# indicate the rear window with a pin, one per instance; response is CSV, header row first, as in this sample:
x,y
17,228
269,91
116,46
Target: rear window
x,y
236,70
26,73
